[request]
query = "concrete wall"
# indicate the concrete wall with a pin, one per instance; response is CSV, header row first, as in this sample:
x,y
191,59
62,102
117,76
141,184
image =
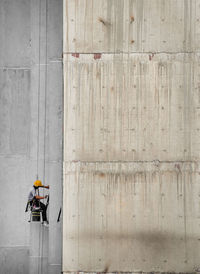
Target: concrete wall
x,y
131,140
30,56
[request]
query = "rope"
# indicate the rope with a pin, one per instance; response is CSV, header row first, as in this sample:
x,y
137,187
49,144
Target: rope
x,y
39,63
40,251
41,234
45,114
45,95
38,122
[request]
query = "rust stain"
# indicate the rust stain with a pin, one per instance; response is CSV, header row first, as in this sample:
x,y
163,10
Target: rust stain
x,y
97,56
76,55
98,74
106,268
132,19
102,21
178,167
102,174
151,56
132,41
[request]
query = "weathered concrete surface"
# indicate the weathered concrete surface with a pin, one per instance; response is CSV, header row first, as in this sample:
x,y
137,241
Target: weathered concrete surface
x,y
39,248
131,217
131,155
15,29
155,113
15,99
131,26
18,254
28,30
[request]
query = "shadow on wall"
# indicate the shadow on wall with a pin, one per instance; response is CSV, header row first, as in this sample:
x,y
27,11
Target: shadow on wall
x,y
147,251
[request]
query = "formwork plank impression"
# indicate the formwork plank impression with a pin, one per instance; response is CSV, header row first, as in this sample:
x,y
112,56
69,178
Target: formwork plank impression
x,y
134,107
131,26
131,136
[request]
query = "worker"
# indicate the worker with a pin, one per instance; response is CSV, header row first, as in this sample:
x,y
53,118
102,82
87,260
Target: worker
x,y
34,199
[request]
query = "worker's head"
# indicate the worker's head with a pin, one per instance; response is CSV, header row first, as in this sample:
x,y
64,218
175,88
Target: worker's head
x,y
37,183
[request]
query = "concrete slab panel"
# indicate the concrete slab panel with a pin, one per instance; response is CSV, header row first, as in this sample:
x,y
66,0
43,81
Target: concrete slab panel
x,y
131,26
135,107
54,131
39,245
55,29
15,187
131,217
54,110
38,32
54,179
14,111
38,265
15,40
54,269
14,260
46,79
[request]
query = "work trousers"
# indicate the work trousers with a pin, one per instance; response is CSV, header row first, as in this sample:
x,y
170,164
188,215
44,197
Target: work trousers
x,y
43,208
44,212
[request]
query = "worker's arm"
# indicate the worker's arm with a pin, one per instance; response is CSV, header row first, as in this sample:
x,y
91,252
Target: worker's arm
x,y
45,187
41,197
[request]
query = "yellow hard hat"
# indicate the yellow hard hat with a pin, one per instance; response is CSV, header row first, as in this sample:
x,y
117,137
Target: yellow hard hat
x,y
37,183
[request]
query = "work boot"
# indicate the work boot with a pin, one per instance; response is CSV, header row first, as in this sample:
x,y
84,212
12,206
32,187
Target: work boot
x,y
46,223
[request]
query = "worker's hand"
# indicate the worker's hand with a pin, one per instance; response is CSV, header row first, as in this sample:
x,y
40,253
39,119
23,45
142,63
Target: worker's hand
x,y
47,187
46,196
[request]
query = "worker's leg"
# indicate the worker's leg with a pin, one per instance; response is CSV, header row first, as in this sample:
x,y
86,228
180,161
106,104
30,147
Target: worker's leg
x,y
44,212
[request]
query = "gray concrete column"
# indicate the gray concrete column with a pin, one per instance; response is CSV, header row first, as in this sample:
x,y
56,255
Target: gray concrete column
x,y
31,98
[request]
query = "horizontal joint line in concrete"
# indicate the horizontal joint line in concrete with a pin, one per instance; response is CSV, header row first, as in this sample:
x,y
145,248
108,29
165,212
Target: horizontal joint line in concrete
x,y
43,257
54,161
55,60
15,246
41,64
16,68
24,156
153,161
136,272
49,62
135,52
